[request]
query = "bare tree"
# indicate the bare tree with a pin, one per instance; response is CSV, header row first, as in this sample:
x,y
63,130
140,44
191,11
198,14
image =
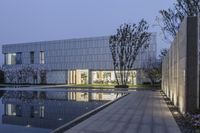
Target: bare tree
x,y
172,17
163,53
23,74
125,46
10,75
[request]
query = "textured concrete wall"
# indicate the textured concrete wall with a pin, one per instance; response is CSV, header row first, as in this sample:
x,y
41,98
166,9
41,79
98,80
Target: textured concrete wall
x,y
192,65
180,67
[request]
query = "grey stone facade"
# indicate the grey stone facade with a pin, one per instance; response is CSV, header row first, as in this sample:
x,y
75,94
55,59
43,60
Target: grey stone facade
x,y
180,68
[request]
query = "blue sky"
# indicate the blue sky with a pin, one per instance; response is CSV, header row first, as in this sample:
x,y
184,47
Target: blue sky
x,y
37,20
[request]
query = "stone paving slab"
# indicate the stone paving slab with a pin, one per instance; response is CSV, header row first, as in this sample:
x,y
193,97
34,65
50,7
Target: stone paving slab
x,y
139,112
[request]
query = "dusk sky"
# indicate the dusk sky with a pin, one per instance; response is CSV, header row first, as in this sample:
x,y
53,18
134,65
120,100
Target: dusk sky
x,y
40,20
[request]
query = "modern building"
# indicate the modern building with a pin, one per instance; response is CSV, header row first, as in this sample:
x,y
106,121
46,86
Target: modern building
x,y
74,61
180,68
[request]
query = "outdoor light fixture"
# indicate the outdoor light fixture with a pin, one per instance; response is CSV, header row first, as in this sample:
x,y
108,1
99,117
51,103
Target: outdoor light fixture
x,y
28,125
60,119
176,112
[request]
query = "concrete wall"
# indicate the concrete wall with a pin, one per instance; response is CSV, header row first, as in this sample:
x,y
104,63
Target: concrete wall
x,y
180,67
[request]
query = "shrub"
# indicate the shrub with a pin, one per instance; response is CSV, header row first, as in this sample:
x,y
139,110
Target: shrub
x,y
194,119
113,82
98,81
146,83
121,86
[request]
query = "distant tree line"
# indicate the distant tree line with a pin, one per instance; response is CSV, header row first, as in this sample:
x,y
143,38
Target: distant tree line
x,y
24,74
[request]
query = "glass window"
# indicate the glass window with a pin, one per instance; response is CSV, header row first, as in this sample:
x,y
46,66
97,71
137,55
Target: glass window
x,y
13,58
41,57
32,111
32,57
41,111
5,59
10,110
10,58
19,58
18,110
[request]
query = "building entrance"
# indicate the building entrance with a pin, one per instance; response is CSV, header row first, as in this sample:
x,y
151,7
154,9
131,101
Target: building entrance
x,y
78,76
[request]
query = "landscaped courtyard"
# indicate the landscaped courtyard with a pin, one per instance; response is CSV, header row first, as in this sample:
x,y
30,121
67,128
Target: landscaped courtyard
x,y
107,66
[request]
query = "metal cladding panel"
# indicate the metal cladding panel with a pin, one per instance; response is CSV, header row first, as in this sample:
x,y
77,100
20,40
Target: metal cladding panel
x,y
85,53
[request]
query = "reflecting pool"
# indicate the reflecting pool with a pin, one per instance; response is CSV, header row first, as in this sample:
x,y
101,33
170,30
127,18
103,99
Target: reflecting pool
x,y
42,110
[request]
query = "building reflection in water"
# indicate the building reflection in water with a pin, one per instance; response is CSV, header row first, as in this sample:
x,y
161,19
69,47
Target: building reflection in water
x,y
49,109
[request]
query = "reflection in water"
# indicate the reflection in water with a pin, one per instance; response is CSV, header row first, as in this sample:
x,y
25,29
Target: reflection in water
x,y
49,109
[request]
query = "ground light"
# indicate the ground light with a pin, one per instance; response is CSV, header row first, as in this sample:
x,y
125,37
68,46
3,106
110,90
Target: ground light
x,y
60,119
176,112
28,125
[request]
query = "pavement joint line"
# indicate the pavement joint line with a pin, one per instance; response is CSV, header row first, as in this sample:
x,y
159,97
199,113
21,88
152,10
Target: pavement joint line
x,y
144,103
85,116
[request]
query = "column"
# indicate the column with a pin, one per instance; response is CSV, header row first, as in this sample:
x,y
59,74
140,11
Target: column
x,y
90,77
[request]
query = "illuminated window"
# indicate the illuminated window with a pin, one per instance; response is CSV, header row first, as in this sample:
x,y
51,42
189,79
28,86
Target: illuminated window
x,y
41,57
41,111
98,75
13,58
10,110
10,58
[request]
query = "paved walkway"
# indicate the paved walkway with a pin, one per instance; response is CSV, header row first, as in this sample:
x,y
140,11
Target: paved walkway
x,y
139,112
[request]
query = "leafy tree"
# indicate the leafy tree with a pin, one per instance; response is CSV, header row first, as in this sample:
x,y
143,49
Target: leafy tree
x,y
163,53
172,17
152,71
125,46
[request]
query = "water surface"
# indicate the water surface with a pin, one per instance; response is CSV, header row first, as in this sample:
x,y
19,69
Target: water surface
x,y
42,110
